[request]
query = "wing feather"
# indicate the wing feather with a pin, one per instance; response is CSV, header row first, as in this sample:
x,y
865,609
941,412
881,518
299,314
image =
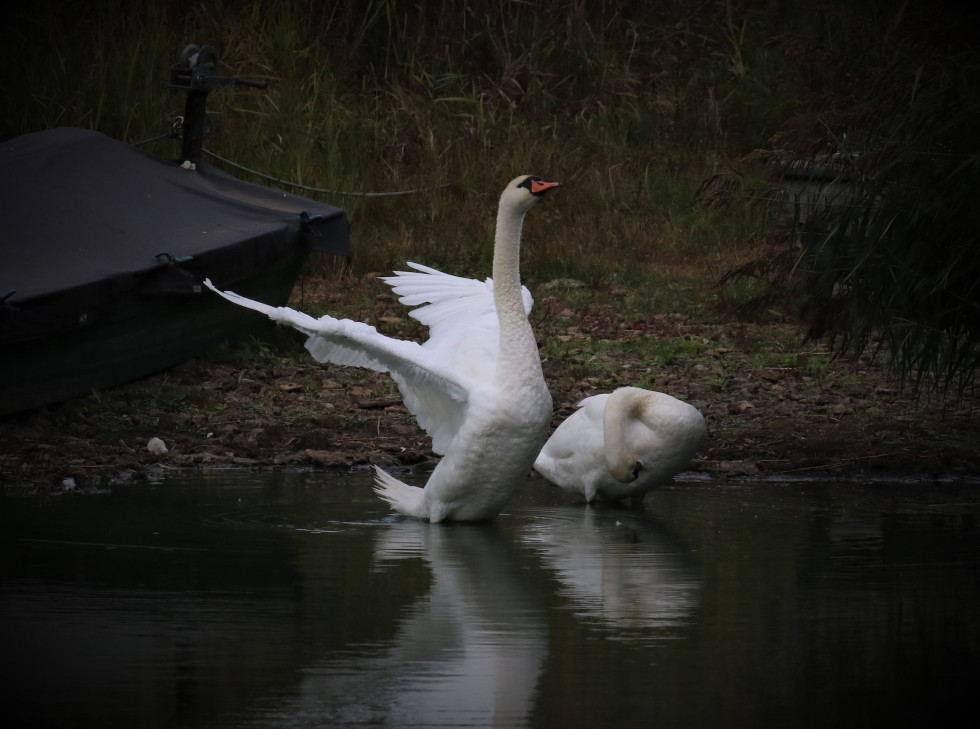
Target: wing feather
x,y
460,313
436,394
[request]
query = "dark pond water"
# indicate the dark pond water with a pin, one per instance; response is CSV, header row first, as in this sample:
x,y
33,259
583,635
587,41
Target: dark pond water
x,y
233,600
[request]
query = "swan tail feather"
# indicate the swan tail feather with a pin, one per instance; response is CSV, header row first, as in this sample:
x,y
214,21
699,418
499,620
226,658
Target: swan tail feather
x,y
405,499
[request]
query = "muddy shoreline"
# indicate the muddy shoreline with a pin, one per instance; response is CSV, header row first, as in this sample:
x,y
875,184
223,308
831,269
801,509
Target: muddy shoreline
x,y
267,405
356,421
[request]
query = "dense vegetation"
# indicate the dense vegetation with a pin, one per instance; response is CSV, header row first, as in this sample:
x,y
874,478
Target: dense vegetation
x,y
890,260
650,114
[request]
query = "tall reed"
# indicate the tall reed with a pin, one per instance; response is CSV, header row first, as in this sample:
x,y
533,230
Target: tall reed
x,y
630,105
891,264
387,95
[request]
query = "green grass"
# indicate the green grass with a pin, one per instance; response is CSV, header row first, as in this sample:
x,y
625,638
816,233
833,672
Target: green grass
x,y
631,106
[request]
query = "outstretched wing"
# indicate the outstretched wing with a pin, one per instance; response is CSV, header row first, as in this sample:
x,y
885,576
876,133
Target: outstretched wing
x,y
460,314
434,393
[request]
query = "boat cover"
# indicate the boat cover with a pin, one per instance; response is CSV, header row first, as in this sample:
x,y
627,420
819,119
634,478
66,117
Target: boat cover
x,y
89,222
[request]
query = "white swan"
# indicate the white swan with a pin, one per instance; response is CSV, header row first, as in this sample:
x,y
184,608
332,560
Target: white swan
x,y
621,445
475,385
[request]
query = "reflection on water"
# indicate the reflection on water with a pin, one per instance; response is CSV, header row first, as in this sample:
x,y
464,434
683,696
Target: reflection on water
x,y
466,653
619,568
237,600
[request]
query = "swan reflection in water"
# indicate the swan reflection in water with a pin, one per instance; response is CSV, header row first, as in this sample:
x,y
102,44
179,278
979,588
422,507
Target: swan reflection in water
x,y
617,567
467,653
471,650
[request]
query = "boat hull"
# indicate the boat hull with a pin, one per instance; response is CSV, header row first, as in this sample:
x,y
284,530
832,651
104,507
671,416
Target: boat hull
x,y
143,337
104,253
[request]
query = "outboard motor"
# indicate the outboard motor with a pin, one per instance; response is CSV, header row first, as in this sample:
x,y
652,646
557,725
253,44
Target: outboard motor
x,y
197,74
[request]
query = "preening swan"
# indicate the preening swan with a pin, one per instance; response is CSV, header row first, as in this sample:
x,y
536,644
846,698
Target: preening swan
x,y
621,445
475,385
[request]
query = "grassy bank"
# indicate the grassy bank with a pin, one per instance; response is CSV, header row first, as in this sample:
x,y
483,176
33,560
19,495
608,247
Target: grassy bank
x,y
631,105
775,409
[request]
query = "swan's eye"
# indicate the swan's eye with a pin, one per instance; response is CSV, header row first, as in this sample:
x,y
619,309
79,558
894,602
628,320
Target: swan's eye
x,y
528,182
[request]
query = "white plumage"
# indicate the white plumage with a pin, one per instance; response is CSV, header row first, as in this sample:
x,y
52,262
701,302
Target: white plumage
x,y
621,445
475,386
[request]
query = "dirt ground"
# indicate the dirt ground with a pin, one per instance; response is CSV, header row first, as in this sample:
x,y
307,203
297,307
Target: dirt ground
x,y
273,407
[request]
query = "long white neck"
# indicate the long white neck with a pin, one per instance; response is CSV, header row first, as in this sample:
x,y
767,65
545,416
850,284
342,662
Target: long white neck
x,y
623,405
517,344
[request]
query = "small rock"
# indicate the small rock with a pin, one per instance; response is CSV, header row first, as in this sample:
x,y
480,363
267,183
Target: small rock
x,y
156,446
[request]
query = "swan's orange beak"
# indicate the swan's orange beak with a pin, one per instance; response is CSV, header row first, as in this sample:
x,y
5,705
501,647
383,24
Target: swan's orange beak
x,y
540,187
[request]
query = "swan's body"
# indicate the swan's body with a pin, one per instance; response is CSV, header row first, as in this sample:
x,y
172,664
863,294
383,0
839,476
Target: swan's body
x,y
475,386
621,445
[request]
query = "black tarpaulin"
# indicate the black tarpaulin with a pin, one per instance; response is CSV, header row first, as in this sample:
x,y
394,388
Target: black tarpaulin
x,y
88,221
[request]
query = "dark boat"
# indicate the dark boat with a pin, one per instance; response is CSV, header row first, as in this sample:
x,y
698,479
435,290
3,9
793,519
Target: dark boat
x,y
102,254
